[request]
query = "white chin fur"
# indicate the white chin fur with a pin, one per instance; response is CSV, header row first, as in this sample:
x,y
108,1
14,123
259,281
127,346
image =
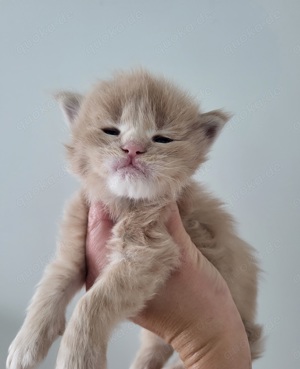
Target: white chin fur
x,y
134,188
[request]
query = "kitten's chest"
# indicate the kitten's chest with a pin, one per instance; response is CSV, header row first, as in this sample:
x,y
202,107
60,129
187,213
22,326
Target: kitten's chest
x,y
139,226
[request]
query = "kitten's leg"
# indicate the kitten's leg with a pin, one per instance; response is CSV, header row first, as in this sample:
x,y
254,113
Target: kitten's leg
x,y
153,353
45,318
255,338
133,276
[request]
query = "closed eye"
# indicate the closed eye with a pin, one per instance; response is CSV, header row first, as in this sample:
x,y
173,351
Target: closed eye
x,y
161,139
111,131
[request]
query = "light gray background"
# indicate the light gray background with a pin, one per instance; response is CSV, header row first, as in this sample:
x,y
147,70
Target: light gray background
x,y
242,55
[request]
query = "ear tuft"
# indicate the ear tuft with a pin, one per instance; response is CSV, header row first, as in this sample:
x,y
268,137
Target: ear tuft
x,y
212,123
69,103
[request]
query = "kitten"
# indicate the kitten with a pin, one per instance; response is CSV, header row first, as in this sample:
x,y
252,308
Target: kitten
x,y
136,142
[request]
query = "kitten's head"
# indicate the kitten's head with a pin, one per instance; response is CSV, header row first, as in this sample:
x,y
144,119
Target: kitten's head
x,y
138,136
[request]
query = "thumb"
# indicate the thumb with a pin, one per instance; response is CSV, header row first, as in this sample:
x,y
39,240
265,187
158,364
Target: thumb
x,y
175,227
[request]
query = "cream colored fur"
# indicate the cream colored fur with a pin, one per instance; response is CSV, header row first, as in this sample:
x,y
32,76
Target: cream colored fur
x,y
143,255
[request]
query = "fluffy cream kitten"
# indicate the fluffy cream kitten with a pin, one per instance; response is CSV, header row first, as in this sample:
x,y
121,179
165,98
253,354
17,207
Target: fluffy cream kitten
x,y
136,142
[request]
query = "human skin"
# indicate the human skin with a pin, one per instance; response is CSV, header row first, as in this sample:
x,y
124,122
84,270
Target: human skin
x,y
194,311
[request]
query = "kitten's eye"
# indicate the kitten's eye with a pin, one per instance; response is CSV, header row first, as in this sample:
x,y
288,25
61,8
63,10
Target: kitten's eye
x,y
111,131
162,139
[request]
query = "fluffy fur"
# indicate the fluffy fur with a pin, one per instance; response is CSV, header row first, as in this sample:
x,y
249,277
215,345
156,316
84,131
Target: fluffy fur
x,y
136,191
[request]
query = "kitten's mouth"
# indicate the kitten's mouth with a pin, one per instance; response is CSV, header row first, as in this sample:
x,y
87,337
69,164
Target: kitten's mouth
x,y
131,167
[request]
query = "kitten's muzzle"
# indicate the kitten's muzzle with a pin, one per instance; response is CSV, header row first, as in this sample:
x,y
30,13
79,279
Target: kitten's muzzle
x,y
131,164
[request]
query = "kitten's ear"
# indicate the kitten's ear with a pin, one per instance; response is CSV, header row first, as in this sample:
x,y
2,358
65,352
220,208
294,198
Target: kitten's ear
x,y
69,103
212,123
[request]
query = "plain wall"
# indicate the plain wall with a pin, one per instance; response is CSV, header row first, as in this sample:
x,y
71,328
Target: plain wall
x,y
241,55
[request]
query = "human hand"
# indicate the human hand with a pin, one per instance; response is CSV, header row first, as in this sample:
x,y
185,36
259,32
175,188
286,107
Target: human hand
x,y
193,311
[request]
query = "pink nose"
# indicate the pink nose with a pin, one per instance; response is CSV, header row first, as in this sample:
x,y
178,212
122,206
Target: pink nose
x,y
133,148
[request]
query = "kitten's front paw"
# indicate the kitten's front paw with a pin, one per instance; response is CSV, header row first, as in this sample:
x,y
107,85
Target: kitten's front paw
x,y
26,351
32,344
77,350
75,358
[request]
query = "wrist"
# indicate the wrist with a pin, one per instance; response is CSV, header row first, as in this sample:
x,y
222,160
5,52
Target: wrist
x,y
219,341
229,350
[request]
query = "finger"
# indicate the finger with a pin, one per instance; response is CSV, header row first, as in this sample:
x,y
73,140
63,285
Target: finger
x,y
189,251
99,214
99,227
175,226
99,232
